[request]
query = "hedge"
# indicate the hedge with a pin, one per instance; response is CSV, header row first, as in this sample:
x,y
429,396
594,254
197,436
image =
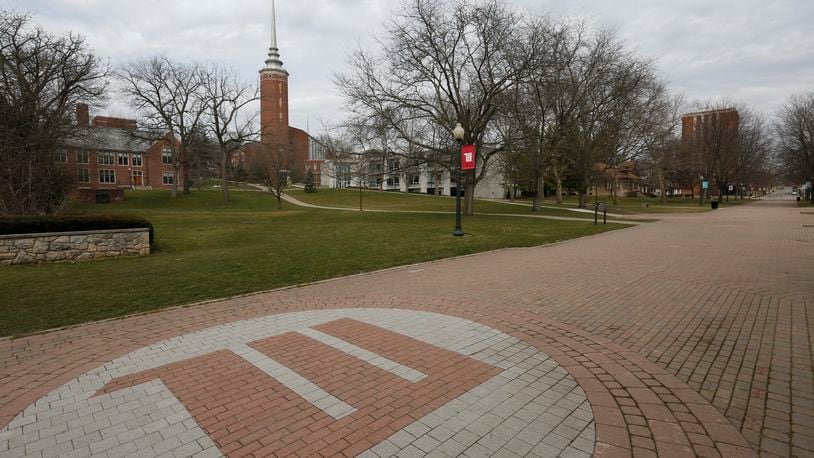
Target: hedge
x,y
45,224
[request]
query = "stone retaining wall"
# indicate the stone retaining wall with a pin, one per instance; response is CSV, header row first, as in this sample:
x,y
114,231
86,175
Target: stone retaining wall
x,y
73,246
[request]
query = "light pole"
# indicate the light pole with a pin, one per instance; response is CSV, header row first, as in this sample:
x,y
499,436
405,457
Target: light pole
x,y
459,134
701,187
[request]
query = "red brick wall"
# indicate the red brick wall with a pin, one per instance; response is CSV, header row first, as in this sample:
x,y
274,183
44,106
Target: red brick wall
x,y
274,108
118,123
299,145
82,115
152,169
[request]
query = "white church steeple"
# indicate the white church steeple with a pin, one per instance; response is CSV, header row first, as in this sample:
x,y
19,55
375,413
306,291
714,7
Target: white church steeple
x,y
273,63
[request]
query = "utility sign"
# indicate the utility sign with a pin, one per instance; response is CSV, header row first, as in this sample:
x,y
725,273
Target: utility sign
x,y
468,157
705,184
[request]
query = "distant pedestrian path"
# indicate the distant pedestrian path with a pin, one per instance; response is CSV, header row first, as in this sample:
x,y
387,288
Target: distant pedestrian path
x,y
292,200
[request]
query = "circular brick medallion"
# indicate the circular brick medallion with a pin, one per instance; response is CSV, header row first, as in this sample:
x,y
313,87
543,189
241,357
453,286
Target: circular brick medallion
x,y
374,382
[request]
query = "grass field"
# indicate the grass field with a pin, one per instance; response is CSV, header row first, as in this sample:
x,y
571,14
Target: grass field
x,y
207,249
378,200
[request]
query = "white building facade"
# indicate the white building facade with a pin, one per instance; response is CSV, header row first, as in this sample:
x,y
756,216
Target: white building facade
x,y
390,176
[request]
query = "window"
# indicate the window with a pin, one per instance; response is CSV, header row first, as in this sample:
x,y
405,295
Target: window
x,y
166,156
82,157
343,175
62,156
137,160
392,166
83,175
107,176
123,159
168,178
105,158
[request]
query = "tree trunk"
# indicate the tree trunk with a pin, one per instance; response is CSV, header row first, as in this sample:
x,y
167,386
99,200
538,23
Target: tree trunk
x,y
469,198
558,179
175,177
186,178
224,178
615,192
538,195
583,192
360,197
662,185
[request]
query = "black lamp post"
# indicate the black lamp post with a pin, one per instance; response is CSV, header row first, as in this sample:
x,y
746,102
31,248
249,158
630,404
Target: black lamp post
x,y
701,187
459,134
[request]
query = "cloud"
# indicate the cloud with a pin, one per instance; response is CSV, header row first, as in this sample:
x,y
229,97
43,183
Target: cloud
x,y
759,52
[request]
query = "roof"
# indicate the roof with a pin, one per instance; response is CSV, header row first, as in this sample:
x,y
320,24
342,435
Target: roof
x,y
111,139
711,111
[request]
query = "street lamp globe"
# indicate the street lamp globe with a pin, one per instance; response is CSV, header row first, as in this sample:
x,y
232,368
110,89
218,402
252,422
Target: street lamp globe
x,y
458,132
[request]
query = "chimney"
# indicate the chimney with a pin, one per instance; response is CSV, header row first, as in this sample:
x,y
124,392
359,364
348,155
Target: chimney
x,y
82,115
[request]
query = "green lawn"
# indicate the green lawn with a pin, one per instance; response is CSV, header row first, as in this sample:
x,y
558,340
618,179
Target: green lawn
x,y
379,200
207,249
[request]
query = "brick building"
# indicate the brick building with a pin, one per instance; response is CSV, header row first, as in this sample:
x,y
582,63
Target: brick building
x,y
695,125
111,154
275,131
707,130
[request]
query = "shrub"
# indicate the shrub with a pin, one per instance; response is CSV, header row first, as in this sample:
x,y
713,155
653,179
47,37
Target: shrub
x,y
310,184
42,224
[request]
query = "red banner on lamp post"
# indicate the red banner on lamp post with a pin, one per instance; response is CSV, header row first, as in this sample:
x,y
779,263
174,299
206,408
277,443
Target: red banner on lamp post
x,y
468,157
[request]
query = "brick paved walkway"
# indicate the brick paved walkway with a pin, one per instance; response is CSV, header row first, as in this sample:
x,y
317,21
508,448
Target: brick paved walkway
x,y
688,336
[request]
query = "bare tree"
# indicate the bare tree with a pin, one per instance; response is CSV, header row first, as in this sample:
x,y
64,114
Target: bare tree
x,y
540,106
612,92
350,159
663,163
276,167
441,63
753,149
226,99
794,130
168,94
42,78
662,143
729,142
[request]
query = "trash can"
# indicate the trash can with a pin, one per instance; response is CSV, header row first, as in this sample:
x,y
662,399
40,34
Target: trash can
x,y
102,196
714,204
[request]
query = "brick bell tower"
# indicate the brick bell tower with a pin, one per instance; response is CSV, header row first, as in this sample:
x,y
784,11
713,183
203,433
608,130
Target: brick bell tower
x,y
274,94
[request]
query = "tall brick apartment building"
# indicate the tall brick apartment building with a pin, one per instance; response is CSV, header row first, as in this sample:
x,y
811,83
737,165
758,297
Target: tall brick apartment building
x,y
709,128
108,153
693,125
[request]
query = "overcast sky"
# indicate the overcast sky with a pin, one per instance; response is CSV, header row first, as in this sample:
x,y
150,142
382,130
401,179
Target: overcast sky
x,y
757,51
